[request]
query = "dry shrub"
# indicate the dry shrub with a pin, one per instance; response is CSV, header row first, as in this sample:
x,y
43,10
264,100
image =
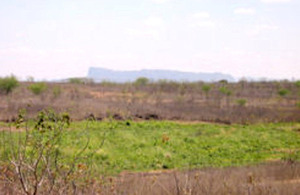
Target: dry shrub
x,y
33,161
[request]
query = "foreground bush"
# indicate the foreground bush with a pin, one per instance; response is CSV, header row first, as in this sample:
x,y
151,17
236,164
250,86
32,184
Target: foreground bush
x,y
34,157
7,84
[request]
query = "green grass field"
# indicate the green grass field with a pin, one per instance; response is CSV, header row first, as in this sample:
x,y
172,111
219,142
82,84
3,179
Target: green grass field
x,y
154,145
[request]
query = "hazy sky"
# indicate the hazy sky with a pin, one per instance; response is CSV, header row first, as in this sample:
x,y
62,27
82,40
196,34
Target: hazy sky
x,y
51,39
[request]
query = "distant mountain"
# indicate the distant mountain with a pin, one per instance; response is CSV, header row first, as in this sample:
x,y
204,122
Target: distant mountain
x,y
101,74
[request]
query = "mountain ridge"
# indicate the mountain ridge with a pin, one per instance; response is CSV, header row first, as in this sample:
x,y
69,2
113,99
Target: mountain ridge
x,y
100,74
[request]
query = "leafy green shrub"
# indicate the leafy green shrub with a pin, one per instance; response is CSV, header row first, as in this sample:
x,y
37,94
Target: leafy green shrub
x,y
7,84
206,88
241,102
283,92
38,88
297,83
142,81
225,91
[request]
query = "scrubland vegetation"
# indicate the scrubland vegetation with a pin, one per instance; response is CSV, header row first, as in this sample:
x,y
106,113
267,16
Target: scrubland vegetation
x,y
150,138
222,102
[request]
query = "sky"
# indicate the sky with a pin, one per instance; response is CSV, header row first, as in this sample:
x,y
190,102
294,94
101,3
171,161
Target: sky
x,y
54,39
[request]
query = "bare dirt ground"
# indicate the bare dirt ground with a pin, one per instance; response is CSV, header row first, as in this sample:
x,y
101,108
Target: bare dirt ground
x,y
268,179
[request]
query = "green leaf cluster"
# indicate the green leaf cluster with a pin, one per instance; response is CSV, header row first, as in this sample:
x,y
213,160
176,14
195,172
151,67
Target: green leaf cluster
x,y
7,84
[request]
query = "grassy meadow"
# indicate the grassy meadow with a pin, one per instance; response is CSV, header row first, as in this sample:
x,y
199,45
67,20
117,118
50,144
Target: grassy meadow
x,y
116,146
154,145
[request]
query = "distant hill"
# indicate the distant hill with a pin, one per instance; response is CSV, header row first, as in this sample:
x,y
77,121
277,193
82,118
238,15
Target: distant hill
x,y
100,74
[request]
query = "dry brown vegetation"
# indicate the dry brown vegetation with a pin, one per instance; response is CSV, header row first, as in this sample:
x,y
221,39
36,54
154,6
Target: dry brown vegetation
x,y
242,102
272,178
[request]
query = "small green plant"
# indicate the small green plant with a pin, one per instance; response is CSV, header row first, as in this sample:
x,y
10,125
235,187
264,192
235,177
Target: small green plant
x,y
142,81
241,102
38,88
206,88
283,92
225,91
7,84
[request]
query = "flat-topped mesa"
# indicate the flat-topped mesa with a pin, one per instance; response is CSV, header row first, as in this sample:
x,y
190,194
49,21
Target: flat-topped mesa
x,y
102,74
